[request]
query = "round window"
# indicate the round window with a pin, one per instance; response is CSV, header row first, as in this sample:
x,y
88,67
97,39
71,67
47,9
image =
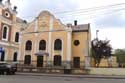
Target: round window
x,y
76,42
7,14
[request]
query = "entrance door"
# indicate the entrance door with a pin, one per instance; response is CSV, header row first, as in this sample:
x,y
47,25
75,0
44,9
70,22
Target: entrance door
x,y
39,61
27,60
76,62
57,60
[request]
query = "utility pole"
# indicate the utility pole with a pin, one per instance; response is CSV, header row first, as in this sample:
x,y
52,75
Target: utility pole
x,y
97,34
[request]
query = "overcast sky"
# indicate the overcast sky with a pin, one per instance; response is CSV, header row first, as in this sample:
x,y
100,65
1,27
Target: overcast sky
x,y
109,22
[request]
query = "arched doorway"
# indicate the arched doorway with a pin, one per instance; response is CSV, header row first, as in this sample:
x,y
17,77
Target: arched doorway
x,y
57,60
39,61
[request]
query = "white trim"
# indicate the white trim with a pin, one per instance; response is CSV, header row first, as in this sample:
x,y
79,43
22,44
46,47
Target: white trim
x,y
5,20
5,54
8,44
50,39
36,27
20,46
4,43
35,46
7,14
69,46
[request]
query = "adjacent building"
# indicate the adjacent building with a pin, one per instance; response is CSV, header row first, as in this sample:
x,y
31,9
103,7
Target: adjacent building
x,y
10,27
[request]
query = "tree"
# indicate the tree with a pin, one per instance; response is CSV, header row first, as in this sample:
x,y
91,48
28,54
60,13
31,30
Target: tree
x,y
100,49
120,54
120,51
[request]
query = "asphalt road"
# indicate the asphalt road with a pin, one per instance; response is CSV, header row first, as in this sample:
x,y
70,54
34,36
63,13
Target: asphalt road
x,y
46,79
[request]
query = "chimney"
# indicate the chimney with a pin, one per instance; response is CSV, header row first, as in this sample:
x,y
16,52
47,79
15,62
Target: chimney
x,y
15,8
75,22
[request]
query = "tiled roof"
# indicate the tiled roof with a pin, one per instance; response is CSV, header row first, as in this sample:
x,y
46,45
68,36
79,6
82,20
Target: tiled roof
x,y
82,27
19,20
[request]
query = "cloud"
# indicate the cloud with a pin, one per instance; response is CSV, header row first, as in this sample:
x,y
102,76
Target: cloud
x,y
29,9
112,20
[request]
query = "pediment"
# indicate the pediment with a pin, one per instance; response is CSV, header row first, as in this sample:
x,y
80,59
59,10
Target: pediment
x,y
47,20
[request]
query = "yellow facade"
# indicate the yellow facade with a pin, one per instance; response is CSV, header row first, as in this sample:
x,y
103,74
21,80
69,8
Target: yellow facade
x,y
44,41
47,27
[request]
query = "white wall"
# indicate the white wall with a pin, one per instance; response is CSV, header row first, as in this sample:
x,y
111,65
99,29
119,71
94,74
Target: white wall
x,y
107,71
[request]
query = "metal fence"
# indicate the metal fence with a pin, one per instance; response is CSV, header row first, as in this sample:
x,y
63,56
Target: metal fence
x,y
68,64
105,63
48,64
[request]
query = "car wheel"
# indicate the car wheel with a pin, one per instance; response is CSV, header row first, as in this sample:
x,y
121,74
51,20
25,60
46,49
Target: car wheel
x,y
2,73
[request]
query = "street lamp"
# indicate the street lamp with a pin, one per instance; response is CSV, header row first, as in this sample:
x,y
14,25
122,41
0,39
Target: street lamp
x,y
97,34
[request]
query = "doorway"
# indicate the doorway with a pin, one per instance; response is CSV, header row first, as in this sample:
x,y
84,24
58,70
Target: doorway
x,y
76,62
57,60
39,61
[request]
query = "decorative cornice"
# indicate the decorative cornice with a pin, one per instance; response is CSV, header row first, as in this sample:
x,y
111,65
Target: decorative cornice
x,y
5,20
8,44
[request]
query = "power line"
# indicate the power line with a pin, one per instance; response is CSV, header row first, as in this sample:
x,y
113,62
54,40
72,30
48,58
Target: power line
x,y
94,14
89,11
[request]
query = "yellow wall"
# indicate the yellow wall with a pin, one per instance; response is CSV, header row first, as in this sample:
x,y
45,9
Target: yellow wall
x,y
44,24
79,51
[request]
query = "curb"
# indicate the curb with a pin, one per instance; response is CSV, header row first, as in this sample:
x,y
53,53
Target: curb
x,y
72,76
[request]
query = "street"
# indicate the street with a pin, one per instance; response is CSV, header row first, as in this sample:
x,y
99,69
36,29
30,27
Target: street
x,y
49,79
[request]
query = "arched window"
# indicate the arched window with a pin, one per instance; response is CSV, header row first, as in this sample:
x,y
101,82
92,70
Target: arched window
x,y
42,45
2,56
17,37
15,57
28,45
4,32
27,60
58,44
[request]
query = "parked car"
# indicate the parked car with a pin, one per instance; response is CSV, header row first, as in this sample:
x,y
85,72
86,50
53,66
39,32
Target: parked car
x,y
9,69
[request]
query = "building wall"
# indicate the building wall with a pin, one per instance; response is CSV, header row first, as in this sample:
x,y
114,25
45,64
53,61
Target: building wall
x,y
44,24
47,27
9,46
81,49
107,71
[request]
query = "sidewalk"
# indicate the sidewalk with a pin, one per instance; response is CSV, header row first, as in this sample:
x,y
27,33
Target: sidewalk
x,y
71,75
